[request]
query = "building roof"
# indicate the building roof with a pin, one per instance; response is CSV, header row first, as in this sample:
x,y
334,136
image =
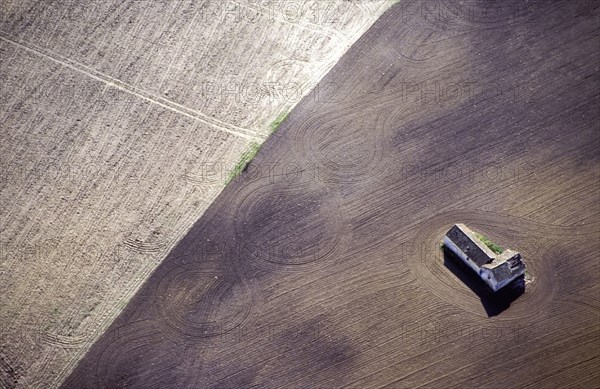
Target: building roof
x,y
465,239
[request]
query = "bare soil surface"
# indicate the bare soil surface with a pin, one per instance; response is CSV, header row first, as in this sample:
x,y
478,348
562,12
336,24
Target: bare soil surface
x,y
320,267
119,124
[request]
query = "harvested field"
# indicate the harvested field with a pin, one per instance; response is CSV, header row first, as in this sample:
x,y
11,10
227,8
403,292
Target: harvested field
x,y
320,266
120,123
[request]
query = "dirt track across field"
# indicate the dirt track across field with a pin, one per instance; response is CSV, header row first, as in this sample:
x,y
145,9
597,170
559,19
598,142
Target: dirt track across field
x,y
320,266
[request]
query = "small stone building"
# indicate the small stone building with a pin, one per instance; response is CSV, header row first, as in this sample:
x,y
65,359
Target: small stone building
x,y
496,269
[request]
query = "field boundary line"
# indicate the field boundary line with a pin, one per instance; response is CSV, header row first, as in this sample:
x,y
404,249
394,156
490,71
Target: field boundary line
x,y
131,89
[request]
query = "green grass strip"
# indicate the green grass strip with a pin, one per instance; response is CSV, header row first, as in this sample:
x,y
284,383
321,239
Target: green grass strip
x,y
496,248
277,122
249,154
245,159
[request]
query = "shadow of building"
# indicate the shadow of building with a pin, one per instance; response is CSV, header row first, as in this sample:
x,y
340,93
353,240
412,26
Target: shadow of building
x,y
494,303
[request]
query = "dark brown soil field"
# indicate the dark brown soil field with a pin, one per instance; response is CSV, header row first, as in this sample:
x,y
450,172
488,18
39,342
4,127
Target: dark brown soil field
x,y
320,267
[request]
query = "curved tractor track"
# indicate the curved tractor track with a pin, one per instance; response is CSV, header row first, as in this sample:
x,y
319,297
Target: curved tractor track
x,y
320,265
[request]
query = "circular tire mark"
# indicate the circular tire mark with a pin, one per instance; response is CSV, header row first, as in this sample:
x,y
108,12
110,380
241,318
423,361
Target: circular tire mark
x,y
291,79
145,239
196,300
142,247
335,153
135,346
63,341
